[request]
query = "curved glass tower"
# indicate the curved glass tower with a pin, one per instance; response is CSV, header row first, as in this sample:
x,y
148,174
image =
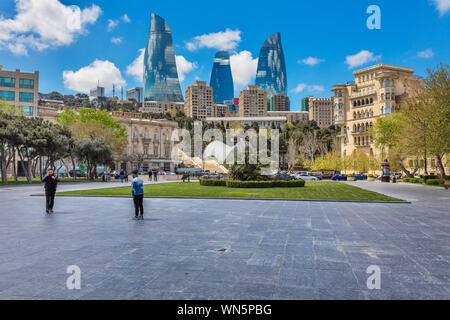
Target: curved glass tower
x,y
221,78
271,74
160,69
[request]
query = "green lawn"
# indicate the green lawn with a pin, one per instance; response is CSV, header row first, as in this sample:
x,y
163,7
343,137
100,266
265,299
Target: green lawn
x,y
22,181
312,191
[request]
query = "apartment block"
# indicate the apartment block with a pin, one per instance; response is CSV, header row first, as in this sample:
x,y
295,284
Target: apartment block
x,y
376,92
321,110
20,89
252,102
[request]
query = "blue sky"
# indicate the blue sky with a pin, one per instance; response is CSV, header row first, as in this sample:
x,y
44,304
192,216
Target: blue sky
x,y
413,34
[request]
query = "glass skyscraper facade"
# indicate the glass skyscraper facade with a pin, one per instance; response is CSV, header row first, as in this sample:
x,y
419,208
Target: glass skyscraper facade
x,y
221,78
160,69
271,73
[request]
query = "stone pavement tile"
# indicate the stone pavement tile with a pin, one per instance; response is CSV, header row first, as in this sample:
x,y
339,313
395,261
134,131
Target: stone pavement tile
x,y
298,262
253,291
296,277
336,280
265,259
294,293
340,294
325,264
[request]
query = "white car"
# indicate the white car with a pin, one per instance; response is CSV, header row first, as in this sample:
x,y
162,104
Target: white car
x,y
305,177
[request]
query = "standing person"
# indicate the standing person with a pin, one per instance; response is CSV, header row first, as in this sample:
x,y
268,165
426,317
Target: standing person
x,y
126,176
150,173
137,191
50,185
155,176
122,176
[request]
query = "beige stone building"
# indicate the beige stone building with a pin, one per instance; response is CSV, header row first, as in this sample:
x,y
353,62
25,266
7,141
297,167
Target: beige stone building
x,y
161,106
291,116
376,92
20,89
321,110
199,102
149,143
252,102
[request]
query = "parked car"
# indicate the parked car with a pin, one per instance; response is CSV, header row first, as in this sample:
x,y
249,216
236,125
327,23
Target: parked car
x,y
360,177
326,177
305,177
283,176
396,175
339,177
213,176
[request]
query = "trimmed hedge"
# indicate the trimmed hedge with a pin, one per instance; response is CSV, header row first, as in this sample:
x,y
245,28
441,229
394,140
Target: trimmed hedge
x,y
412,180
213,183
266,184
435,182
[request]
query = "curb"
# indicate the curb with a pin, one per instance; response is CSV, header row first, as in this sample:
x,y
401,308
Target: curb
x,y
234,199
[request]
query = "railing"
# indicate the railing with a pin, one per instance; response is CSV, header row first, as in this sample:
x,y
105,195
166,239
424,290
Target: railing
x,y
363,93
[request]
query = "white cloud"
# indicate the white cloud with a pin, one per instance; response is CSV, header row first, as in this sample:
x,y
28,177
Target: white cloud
x,y
126,18
311,61
136,68
312,88
87,77
116,40
184,67
112,24
223,40
42,24
443,6
426,54
360,59
243,68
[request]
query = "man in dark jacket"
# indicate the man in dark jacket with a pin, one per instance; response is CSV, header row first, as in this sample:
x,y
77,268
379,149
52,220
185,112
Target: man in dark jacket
x,y
50,185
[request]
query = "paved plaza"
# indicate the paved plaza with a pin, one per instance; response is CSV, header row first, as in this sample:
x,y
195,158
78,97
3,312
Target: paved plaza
x,y
225,249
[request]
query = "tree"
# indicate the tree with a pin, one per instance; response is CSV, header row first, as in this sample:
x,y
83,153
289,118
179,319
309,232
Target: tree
x,y
94,153
95,125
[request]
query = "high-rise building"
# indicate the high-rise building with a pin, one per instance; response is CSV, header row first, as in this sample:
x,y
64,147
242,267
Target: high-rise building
x,y
221,78
160,69
20,89
271,72
97,92
252,102
199,100
375,93
136,93
279,102
305,105
321,110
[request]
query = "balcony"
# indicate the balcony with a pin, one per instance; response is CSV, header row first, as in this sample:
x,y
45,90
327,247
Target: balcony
x,y
363,94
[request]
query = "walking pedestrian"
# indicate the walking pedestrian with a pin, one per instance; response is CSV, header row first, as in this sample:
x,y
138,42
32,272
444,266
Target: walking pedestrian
x,y
126,176
150,173
137,191
50,185
155,175
122,176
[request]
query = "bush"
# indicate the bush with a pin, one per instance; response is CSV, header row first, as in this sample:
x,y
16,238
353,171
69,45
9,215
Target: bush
x,y
371,176
412,180
350,175
435,182
213,183
266,184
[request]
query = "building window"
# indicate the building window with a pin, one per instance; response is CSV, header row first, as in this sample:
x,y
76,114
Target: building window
x,y
135,134
155,151
145,150
28,111
7,95
26,97
7,82
27,83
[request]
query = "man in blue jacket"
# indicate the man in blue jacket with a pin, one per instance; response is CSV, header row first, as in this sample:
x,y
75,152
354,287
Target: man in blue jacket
x,y
137,191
